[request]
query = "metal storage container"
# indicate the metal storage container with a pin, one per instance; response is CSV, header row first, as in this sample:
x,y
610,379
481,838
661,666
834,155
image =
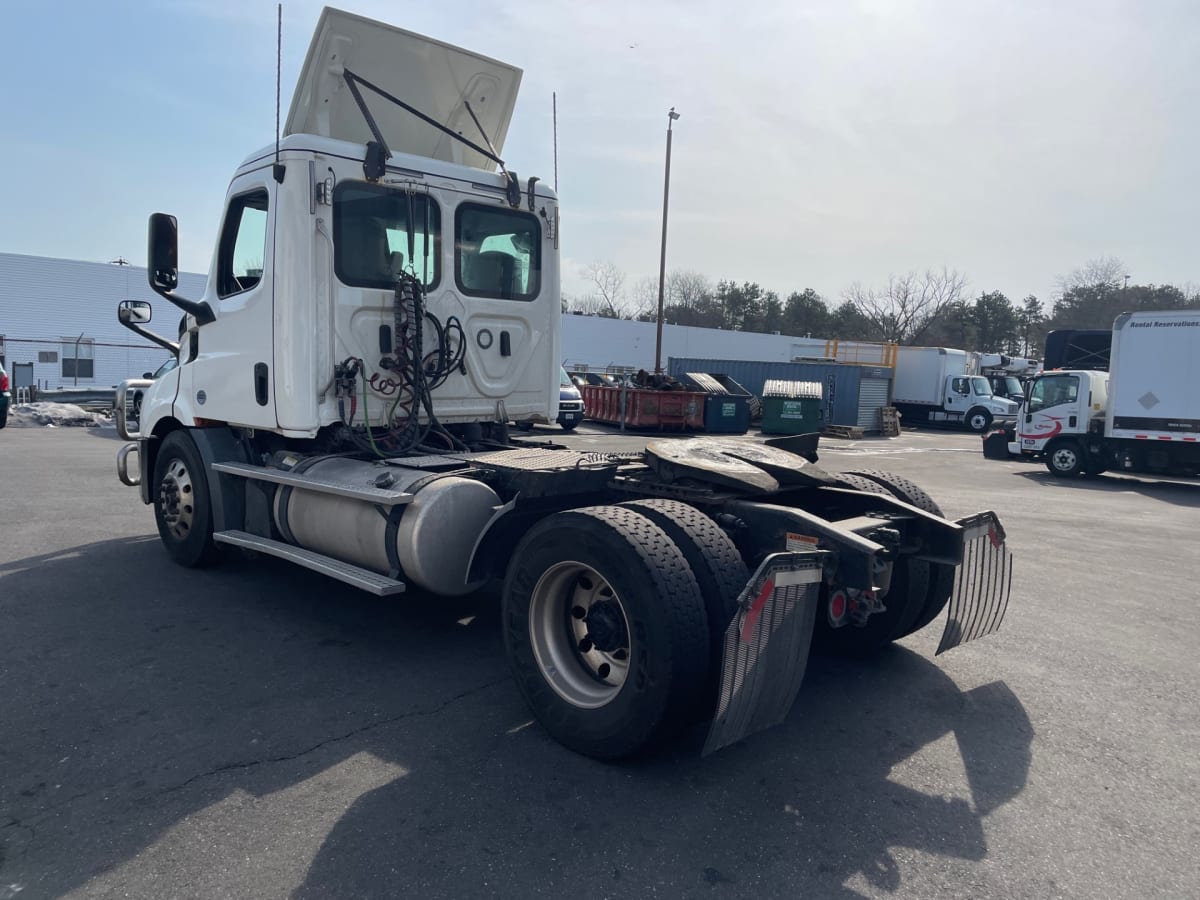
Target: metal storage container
x,y
645,409
792,407
724,413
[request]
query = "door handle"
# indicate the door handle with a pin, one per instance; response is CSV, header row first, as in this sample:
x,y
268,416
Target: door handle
x,y
1071,421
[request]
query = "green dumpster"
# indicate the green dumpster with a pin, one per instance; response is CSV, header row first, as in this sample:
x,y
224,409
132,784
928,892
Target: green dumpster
x,y
791,407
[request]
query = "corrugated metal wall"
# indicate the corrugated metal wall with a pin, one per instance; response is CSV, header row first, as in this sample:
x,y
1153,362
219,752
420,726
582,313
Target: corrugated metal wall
x,y
872,397
44,302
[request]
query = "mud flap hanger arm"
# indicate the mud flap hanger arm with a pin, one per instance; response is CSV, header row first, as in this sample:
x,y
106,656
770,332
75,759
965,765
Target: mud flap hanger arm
x,y
375,163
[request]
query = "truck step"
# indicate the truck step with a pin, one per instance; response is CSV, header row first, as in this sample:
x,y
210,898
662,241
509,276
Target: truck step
x,y
368,493
363,579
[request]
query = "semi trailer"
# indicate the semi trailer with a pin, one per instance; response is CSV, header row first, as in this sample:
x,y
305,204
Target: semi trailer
x,y
944,385
383,300
1141,415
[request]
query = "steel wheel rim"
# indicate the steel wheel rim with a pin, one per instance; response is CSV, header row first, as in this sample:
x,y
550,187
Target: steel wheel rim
x,y
978,422
176,499
1064,459
569,602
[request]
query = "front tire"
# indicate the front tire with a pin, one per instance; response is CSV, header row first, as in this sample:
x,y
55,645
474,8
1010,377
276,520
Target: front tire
x,y
979,420
605,630
182,505
1064,459
568,426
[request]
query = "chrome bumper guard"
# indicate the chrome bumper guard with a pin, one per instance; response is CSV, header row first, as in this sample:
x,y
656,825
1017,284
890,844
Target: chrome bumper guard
x,y
121,407
983,583
766,647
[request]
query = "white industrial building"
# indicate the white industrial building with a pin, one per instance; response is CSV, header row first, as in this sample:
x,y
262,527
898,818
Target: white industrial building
x,y
597,344
58,321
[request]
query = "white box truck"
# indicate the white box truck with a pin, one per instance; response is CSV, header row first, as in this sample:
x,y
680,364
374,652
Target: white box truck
x,y
941,384
1142,415
383,300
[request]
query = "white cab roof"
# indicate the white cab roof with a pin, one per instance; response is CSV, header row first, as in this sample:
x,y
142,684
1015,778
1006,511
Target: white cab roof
x,y
431,76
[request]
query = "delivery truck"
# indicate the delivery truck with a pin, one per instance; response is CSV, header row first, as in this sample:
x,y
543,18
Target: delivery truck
x,y
941,384
1142,415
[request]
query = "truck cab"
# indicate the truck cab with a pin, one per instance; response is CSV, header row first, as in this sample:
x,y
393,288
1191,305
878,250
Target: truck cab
x,y
1063,410
317,235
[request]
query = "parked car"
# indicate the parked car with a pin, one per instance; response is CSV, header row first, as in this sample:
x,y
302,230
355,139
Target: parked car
x,y
570,405
5,396
157,373
570,402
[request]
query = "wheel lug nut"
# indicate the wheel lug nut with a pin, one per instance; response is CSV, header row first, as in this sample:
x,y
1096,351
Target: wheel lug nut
x,y
585,645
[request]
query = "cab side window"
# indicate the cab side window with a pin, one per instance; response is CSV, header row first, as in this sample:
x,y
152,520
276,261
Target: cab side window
x,y
961,386
243,244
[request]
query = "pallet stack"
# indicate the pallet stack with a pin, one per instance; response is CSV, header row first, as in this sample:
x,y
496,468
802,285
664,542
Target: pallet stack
x,y
889,421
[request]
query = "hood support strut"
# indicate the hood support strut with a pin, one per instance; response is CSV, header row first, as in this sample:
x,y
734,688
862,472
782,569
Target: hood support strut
x,y
375,163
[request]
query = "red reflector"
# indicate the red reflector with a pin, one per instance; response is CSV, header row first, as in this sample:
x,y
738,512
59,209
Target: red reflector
x,y
837,605
756,609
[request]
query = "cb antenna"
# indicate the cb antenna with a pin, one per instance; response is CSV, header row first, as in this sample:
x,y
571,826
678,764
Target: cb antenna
x,y
278,170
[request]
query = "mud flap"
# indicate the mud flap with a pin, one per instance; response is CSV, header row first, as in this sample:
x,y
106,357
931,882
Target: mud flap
x,y
766,647
983,584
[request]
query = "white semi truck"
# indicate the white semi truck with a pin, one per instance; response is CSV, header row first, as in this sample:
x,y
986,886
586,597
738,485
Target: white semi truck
x,y
381,303
1142,415
944,385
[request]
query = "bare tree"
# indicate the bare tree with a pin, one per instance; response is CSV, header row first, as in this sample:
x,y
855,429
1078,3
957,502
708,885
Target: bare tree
x,y
1106,271
609,282
644,298
905,309
685,288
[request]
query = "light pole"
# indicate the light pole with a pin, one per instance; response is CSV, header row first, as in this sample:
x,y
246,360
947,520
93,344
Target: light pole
x,y
662,260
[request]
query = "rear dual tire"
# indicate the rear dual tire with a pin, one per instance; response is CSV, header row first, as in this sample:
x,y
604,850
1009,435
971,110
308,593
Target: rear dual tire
x,y
919,591
605,630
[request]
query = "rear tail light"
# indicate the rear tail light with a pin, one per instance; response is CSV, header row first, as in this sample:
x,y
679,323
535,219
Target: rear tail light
x,y
3,382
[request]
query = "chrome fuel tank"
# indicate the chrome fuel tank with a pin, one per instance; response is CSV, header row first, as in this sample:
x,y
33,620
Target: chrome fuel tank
x,y
427,541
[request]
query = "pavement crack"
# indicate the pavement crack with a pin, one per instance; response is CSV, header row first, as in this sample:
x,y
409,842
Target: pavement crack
x,y
371,726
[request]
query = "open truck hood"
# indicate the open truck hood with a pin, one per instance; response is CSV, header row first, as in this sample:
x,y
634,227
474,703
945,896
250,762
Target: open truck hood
x,y
433,77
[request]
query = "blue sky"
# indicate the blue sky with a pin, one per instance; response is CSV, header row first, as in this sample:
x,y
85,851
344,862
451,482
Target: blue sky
x,y
821,142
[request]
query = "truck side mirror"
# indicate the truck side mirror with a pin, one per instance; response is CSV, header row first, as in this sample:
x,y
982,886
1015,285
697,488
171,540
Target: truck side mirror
x,y
164,252
134,312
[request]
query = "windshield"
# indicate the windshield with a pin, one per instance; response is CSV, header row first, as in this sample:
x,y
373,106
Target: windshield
x,y
564,379
166,367
1012,387
980,386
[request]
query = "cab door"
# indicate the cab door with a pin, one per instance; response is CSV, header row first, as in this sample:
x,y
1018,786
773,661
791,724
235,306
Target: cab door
x,y
1056,406
230,378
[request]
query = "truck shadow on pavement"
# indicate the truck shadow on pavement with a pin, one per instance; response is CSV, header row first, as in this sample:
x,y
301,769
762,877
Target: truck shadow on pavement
x,y
255,730
1181,493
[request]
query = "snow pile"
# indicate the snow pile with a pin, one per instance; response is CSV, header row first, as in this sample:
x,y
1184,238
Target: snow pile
x,y
54,415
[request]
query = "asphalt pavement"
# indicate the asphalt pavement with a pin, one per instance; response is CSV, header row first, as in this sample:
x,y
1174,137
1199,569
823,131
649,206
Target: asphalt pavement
x,y
259,731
